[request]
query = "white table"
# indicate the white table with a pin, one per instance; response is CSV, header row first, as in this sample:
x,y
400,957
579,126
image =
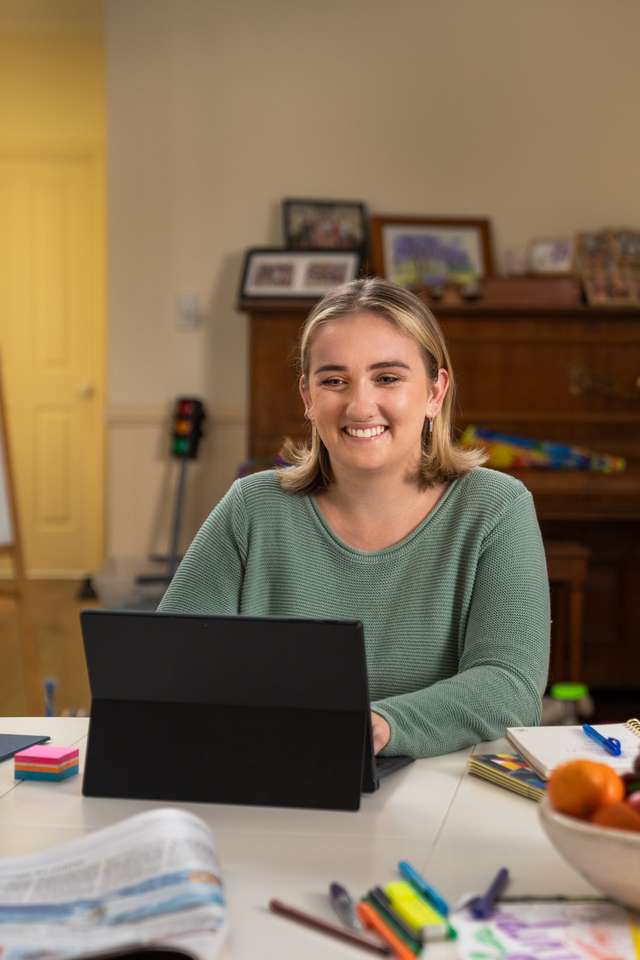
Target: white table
x,y
455,829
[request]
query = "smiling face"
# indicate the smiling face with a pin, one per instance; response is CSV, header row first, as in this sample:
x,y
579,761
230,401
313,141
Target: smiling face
x,y
368,394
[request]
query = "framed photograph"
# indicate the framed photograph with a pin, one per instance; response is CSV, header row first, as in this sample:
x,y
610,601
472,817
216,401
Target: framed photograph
x,y
277,274
325,225
436,251
608,262
551,255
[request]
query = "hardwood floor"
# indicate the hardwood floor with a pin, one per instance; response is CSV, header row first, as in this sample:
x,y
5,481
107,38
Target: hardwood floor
x,y
54,610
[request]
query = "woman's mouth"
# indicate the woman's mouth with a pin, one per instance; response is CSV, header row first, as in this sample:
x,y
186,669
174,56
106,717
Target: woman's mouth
x,y
365,433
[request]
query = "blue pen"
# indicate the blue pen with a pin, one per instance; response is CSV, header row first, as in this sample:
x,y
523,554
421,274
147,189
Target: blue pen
x,y
610,744
425,890
482,907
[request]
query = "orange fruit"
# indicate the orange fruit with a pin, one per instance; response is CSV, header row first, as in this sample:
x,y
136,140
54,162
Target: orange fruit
x,y
579,787
618,815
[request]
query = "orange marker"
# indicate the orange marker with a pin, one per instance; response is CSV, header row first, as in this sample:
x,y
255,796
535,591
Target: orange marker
x,y
373,920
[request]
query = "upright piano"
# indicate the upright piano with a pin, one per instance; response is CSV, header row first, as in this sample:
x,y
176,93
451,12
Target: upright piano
x,y
569,374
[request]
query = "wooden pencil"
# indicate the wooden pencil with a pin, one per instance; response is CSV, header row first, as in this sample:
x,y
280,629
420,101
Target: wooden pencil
x,y
331,929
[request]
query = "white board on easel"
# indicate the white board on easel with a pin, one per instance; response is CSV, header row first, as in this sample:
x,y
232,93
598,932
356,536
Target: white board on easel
x,y
9,526
6,526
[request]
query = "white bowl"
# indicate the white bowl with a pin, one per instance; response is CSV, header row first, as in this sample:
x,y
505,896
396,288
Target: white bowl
x,y
609,859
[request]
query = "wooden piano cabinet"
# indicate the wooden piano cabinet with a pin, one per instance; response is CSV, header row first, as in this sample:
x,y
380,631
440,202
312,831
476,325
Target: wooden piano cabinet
x,y
567,567
570,374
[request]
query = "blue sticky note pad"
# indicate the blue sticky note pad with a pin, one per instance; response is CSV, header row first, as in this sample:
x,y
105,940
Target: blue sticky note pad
x,y
37,775
11,743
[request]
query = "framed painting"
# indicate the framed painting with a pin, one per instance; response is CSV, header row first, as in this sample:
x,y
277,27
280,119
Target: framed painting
x,y
431,251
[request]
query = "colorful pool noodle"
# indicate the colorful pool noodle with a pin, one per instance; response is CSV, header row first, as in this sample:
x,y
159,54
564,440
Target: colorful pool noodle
x,y
509,452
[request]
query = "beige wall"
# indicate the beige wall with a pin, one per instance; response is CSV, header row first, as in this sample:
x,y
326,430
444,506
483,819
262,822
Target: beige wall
x,y
523,111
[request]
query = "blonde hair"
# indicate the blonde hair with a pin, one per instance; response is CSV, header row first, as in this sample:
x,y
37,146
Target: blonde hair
x,y
309,467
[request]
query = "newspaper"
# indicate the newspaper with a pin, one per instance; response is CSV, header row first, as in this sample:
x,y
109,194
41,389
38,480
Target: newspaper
x,y
151,880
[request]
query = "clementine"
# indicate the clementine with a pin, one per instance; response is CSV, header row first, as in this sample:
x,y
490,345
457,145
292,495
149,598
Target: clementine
x,y
579,787
618,815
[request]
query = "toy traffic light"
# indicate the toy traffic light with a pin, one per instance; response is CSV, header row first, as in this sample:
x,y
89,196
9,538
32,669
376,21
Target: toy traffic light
x,y
189,414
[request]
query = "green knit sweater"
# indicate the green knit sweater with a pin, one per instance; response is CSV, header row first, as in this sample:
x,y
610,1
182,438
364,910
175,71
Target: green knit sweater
x,y
456,615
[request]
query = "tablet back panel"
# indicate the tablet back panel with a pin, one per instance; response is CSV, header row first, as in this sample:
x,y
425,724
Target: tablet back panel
x,y
226,709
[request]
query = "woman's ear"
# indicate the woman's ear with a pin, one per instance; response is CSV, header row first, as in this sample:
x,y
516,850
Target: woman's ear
x,y
437,393
306,399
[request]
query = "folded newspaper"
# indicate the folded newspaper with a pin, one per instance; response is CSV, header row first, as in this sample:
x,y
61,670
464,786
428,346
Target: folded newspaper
x,y
151,882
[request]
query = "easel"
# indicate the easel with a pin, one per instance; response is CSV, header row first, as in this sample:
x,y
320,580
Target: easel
x,y
11,546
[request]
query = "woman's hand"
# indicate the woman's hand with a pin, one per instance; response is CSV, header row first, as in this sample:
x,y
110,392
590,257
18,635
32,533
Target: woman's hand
x,y
381,732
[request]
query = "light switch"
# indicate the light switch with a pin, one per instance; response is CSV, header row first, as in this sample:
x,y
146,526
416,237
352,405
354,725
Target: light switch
x,y
190,315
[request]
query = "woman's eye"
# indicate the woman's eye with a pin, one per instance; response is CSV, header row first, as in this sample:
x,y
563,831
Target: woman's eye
x,y
332,382
388,378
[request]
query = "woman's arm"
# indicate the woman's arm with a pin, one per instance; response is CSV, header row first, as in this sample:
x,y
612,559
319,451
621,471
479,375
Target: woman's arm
x,y
504,661
209,579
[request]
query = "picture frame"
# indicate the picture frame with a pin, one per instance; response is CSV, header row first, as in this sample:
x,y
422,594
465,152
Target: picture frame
x,y
608,262
271,273
551,255
431,251
310,224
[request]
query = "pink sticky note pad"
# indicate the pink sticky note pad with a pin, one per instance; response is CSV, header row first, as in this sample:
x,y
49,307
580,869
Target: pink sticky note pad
x,y
43,753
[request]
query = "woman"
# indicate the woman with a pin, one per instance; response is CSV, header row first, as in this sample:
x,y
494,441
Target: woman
x,y
384,520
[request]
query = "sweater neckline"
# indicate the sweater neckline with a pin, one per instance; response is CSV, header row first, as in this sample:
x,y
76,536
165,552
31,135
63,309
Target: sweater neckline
x,y
318,518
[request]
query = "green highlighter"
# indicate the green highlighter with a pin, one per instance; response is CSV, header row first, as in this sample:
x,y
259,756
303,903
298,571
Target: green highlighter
x,y
393,922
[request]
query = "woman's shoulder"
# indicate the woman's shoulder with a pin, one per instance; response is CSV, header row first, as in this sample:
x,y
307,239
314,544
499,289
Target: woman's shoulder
x,y
486,479
263,489
491,490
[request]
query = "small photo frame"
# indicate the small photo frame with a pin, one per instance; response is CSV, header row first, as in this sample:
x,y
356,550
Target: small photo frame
x,y
433,251
551,255
270,273
325,225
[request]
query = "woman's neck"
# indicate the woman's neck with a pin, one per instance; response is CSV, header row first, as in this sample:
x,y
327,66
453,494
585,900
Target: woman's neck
x,y
374,513
361,495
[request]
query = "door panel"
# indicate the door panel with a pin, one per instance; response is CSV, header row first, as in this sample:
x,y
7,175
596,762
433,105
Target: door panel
x,y
52,305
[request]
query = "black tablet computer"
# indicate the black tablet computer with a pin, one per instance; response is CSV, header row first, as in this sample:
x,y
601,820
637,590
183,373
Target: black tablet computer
x,y
255,710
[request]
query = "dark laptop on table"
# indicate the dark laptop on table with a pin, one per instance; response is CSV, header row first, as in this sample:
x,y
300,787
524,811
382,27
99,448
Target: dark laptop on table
x,y
257,710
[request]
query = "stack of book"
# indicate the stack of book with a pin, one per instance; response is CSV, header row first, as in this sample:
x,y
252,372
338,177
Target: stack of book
x,y
509,770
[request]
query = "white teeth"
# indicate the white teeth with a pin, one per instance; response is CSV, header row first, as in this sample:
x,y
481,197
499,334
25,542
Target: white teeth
x,y
365,432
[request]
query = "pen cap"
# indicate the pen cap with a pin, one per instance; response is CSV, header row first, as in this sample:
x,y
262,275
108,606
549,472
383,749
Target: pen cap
x,y
412,908
344,906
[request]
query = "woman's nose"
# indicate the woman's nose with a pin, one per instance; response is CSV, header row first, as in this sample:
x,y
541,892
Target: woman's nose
x,y
361,404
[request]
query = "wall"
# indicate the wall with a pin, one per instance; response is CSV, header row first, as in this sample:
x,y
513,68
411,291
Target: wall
x,y
525,112
51,73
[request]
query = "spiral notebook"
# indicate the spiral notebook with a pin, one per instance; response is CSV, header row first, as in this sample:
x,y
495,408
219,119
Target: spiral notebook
x,y
546,747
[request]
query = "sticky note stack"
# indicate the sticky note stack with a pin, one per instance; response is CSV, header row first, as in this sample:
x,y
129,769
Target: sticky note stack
x,y
44,762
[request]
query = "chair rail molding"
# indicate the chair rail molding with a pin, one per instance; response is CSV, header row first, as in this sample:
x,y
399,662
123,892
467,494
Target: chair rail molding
x,y
132,415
